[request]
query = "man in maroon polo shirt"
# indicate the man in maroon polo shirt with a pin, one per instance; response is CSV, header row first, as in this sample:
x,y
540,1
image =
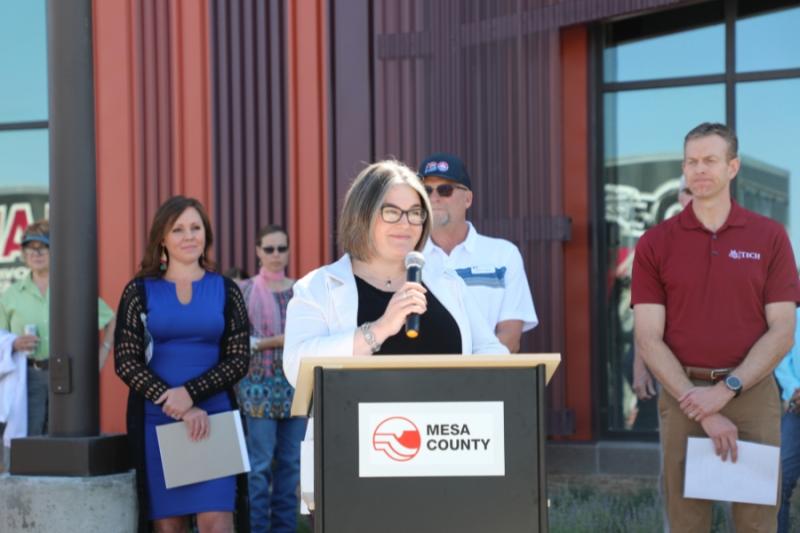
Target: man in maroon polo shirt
x,y
714,295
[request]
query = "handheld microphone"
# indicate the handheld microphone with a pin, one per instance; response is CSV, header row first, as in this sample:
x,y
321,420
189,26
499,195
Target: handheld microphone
x,y
414,263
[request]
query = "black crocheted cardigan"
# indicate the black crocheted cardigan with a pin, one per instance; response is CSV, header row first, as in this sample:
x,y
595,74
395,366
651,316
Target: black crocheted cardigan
x,y
130,365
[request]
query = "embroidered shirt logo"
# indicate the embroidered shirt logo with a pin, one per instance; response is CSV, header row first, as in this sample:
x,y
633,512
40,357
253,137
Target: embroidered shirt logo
x,y
741,254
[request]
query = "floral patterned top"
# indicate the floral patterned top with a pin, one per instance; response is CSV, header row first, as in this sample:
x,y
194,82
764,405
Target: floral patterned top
x,y
264,392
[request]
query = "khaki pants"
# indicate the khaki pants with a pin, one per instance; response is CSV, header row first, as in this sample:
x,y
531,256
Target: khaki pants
x,y
757,415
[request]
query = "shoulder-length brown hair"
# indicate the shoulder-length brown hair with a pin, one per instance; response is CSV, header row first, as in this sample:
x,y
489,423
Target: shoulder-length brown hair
x,y
364,199
165,217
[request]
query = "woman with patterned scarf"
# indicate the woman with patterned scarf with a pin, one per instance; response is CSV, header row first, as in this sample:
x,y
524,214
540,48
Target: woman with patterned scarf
x,y
265,396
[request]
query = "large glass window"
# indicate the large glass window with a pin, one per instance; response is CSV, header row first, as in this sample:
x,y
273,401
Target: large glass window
x,y
642,167
663,74
768,41
23,61
24,157
24,154
677,53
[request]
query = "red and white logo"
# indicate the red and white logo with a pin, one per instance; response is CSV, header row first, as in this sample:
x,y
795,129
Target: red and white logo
x,y
398,438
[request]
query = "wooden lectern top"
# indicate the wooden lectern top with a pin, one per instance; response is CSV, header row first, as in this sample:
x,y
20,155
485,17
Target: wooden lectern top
x,y
305,377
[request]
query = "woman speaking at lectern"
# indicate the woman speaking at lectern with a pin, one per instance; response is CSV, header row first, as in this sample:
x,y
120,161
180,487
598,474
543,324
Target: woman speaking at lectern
x,y
358,305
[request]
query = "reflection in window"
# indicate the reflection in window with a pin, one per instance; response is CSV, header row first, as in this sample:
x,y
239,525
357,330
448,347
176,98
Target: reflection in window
x,y
25,159
23,61
668,56
644,133
768,124
768,41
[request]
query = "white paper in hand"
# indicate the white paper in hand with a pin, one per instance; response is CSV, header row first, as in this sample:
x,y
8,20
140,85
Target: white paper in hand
x,y
752,479
222,453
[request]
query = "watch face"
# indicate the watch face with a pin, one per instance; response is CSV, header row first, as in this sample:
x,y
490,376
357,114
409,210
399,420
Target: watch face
x,y
733,383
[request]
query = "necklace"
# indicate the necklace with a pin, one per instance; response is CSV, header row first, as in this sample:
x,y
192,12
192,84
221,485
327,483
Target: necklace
x,y
386,283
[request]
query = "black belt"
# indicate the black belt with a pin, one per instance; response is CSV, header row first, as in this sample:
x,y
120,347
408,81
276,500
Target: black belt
x,y
39,364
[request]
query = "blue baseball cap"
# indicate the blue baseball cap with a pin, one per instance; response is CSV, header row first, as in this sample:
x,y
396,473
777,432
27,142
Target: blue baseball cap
x,y
447,166
44,239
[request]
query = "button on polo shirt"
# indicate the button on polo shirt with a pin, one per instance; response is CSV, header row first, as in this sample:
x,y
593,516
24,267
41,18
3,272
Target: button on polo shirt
x,y
714,285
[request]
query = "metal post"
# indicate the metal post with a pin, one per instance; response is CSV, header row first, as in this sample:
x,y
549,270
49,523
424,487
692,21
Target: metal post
x,y
73,271
74,446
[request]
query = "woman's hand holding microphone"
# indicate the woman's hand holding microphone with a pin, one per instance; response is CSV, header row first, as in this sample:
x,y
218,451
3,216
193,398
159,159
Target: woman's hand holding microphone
x,y
409,298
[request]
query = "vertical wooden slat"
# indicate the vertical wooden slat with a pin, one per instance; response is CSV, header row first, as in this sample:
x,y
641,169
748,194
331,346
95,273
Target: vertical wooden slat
x,y
237,130
278,69
250,155
163,104
221,128
308,100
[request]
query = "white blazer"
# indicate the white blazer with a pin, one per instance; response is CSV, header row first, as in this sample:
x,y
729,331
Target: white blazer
x,y
13,389
321,316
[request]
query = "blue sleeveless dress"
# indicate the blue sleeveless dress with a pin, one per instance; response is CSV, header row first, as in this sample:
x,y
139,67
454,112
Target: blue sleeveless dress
x,y
186,343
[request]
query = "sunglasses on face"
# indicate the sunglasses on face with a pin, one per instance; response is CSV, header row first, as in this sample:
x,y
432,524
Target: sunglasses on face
x,y
391,214
35,250
269,250
445,190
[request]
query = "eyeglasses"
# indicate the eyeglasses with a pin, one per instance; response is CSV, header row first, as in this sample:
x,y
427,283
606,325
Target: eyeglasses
x,y
39,250
391,214
269,250
445,190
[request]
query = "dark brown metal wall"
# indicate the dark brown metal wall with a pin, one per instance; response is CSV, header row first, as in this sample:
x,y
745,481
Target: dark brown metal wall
x,y
485,92
479,78
248,48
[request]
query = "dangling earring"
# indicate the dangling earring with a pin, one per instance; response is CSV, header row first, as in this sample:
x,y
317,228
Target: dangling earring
x,y
164,261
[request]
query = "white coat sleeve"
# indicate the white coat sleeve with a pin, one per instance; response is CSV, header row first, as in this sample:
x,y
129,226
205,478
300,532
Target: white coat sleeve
x,y
308,332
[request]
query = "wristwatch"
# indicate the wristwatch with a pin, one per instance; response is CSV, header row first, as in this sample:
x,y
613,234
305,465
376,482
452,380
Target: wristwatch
x,y
734,384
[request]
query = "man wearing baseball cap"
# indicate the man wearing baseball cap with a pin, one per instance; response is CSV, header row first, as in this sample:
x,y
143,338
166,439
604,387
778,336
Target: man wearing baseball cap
x,y
492,268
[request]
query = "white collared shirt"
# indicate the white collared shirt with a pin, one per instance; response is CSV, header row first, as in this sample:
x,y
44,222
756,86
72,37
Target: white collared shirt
x,y
494,273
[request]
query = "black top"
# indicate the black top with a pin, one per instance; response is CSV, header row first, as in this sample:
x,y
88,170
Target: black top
x,y
438,330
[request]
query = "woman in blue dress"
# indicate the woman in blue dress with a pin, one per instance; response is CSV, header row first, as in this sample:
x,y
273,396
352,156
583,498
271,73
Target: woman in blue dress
x,y
197,321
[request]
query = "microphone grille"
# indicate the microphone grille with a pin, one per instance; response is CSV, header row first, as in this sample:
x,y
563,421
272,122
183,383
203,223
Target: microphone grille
x,y
415,259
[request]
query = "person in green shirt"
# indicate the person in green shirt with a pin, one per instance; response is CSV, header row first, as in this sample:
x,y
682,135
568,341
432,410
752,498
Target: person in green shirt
x,y
25,312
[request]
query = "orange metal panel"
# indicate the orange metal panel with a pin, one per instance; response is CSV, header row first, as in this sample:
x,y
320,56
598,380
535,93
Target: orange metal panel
x,y
309,194
152,112
577,253
191,100
118,247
